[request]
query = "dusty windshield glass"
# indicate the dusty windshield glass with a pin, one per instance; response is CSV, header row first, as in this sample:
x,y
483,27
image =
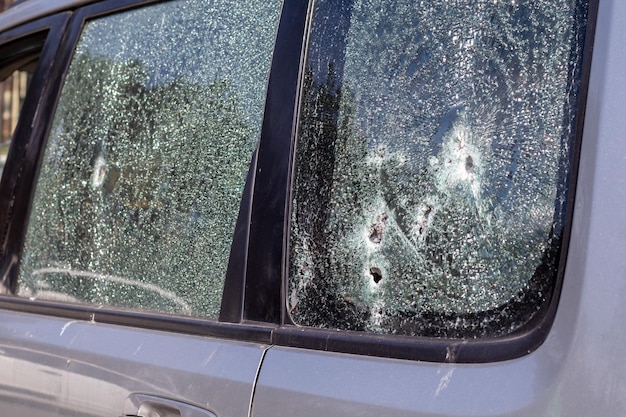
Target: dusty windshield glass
x,y
432,162
147,157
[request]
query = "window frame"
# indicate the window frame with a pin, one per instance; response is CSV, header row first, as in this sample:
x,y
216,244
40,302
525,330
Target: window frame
x,y
489,349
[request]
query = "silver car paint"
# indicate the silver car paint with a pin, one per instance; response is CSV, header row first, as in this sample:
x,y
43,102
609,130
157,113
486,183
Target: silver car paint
x,y
578,371
31,10
57,367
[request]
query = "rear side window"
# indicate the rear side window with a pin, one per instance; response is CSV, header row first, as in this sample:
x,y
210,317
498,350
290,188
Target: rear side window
x,y
147,156
432,164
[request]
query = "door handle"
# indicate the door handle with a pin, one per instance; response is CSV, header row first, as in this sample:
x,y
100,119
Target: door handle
x,y
140,405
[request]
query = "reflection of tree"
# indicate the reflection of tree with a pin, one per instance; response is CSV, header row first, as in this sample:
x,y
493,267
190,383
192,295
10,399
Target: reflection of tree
x,y
147,183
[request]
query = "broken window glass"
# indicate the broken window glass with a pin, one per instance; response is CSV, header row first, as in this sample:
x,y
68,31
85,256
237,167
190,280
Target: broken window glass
x,y
432,164
145,165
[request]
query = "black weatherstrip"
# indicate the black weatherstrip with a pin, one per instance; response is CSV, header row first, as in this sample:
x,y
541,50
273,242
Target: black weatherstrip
x,y
267,233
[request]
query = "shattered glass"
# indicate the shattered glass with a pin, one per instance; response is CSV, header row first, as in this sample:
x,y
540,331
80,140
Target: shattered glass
x,y
148,153
432,163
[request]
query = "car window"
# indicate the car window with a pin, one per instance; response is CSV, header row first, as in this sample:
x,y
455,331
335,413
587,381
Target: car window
x,y
15,81
147,156
432,163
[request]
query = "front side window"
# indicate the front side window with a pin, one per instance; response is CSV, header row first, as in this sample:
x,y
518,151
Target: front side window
x,y
432,164
147,156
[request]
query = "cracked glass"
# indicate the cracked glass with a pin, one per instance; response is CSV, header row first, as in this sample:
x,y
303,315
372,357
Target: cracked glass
x,y
432,164
147,157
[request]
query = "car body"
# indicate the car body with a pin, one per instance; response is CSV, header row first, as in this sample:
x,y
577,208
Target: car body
x,y
187,119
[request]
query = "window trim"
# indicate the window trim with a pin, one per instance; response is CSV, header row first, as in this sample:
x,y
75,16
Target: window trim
x,y
244,331
266,253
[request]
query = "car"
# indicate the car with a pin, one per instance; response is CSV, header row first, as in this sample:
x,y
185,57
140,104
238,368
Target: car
x,y
304,208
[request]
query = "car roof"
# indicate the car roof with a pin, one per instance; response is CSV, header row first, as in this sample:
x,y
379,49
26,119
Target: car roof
x,y
26,11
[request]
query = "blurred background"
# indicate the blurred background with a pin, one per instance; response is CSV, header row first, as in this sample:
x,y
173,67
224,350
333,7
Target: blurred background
x,y
12,93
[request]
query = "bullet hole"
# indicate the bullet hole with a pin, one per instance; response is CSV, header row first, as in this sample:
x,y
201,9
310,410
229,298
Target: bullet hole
x,y
469,164
111,180
424,221
377,230
102,169
376,273
99,172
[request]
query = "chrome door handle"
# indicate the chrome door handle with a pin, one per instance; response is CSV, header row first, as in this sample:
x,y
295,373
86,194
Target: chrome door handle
x,y
140,405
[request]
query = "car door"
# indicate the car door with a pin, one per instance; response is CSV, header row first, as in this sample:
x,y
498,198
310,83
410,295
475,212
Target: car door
x,y
433,141
126,213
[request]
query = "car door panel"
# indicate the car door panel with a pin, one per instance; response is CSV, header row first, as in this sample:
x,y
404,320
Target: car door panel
x,y
73,367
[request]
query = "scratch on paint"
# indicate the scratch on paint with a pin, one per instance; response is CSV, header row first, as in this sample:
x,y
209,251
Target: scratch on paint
x,y
138,349
445,380
208,359
64,328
